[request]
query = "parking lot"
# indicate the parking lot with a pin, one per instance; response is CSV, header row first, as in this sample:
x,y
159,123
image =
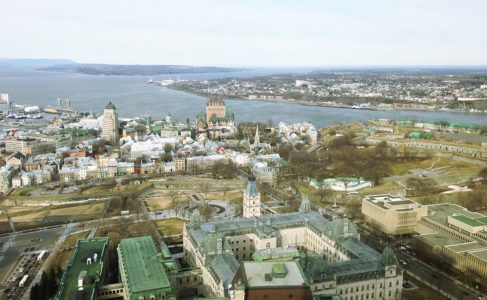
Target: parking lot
x,y
18,256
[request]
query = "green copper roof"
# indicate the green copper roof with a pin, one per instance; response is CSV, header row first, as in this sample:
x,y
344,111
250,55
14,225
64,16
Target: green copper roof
x,y
110,106
388,258
142,265
85,249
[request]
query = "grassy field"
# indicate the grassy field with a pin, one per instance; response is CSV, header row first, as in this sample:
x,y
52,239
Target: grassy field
x,y
87,209
171,226
98,191
159,203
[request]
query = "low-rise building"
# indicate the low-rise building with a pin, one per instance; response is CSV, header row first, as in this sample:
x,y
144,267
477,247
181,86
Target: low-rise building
x,y
86,270
453,235
392,215
142,273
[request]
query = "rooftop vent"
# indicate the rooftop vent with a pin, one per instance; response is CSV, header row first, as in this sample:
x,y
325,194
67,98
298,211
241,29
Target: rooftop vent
x,y
268,276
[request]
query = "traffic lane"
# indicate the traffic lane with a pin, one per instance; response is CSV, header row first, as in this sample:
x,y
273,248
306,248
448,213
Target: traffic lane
x,y
437,279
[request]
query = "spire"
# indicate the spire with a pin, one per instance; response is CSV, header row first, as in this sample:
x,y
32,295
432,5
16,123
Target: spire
x,y
305,204
252,190
257,138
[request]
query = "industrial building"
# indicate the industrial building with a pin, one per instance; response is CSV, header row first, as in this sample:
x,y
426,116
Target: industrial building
x,y
85,271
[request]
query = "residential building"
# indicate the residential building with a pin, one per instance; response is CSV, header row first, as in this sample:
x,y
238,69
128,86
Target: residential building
x,y
16,159
180,164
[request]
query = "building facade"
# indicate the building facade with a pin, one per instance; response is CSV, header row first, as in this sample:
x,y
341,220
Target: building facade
x,y
335,261
392,215
251,200
110,124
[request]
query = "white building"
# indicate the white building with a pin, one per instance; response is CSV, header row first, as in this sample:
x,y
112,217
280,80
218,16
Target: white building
x,y
110,124
251,200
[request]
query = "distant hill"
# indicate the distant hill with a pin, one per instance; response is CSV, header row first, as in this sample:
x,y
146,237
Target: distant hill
x,y
148,70
33,62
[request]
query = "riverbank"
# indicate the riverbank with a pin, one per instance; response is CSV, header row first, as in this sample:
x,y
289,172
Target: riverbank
x,y
395,106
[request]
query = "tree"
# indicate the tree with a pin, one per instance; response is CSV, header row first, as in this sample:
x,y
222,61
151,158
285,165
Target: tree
x,y
483,174
224,170
34,292
168,148
174,197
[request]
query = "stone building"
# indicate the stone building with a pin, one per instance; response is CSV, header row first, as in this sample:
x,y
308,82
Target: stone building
x,y
335,262
392,215
110,124
251,200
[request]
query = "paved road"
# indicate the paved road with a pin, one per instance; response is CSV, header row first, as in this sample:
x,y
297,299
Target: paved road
x,y
425,273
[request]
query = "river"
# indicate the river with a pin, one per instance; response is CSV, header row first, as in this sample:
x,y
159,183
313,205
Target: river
x,y
133,96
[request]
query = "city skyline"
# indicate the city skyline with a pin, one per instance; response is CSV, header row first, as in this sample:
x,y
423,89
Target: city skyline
x,y
248,33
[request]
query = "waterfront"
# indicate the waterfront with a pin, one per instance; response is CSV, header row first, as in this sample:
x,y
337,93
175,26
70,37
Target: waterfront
x,y
133,97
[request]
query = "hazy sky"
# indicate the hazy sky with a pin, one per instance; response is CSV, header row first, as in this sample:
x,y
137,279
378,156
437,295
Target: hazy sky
x,y
247,32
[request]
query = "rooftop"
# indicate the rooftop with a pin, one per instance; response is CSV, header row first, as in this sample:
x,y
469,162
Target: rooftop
x,y
142,265
440,212
474,222
391,202
69,283
257,274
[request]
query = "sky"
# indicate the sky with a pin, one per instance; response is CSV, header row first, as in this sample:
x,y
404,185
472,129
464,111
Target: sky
x,y
257,33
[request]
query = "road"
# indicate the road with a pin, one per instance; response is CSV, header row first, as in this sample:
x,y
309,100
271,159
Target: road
x,y
423,272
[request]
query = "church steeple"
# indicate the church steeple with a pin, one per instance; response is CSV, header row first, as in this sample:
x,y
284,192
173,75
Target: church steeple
x,y
257,137
251,200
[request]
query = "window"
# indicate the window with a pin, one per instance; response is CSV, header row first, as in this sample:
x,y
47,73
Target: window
x,y
290,296
152,297
265,297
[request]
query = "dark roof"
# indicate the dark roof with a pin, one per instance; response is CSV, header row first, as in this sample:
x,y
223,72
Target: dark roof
x,y
215,101
110,106
252,190
18,155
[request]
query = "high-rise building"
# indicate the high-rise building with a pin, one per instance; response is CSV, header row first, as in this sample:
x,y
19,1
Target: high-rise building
x,y
110,124
215,109
251,200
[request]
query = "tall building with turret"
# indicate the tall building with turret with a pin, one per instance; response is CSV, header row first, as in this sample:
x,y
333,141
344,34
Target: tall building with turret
x,y
215,109
251,200
110,124
217,121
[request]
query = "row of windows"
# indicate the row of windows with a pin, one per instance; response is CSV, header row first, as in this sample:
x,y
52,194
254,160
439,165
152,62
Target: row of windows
x,y
368,296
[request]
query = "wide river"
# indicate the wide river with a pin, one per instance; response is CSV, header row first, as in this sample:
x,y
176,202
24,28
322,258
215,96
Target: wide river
x,y
133,96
